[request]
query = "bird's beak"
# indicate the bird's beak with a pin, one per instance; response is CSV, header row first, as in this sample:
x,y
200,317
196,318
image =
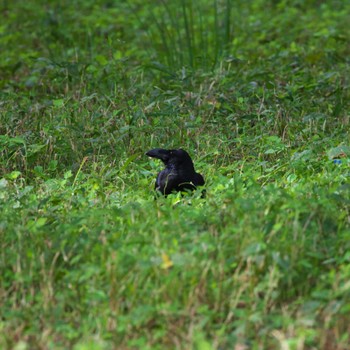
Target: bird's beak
x,y
158,153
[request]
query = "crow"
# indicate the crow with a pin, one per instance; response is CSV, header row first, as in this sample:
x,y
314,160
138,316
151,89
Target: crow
x,y
179,173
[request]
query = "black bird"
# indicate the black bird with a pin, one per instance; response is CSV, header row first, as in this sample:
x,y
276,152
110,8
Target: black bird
x,y
179,173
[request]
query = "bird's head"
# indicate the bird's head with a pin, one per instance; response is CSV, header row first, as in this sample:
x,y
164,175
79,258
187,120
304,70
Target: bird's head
x,y
171,157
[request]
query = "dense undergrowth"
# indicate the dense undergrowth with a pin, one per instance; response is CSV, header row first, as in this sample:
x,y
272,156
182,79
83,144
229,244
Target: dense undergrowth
x,y
257,92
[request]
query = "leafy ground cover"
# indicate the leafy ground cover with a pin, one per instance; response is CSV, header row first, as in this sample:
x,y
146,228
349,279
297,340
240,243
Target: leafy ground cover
x,y
257,92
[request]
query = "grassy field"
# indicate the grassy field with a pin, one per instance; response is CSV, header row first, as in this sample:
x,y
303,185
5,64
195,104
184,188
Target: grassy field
x,y
257,92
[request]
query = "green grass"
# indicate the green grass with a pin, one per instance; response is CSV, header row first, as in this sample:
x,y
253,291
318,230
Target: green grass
x,y
257,92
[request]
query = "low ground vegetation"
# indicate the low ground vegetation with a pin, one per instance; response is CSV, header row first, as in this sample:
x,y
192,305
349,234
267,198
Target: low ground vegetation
x,y
257,92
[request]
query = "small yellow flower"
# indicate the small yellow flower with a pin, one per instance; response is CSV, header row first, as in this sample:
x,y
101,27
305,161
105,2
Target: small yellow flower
x,y
167,262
